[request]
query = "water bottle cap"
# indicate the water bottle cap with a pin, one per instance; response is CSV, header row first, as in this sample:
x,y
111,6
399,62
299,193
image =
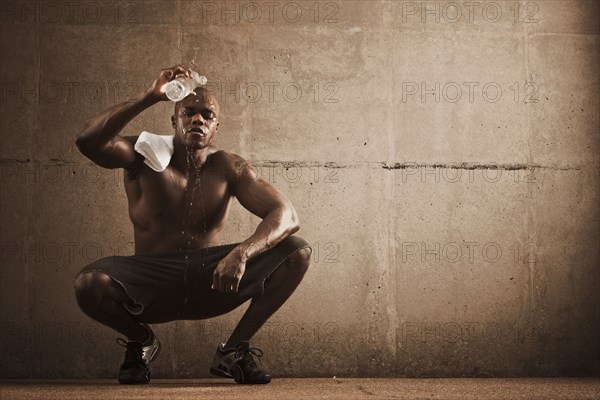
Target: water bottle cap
x,y
200,80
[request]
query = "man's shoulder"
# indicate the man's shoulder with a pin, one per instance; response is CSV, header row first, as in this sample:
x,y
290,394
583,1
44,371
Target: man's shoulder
x,y
228,159
131,139
233,165
226,156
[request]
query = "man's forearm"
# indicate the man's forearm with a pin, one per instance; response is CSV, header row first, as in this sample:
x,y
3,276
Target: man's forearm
x,y
104,127
273,229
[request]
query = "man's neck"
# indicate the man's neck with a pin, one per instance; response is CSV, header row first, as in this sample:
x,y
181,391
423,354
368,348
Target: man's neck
x,y
188,161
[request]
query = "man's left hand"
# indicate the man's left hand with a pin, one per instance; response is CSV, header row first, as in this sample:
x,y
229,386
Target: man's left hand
x,y
229,272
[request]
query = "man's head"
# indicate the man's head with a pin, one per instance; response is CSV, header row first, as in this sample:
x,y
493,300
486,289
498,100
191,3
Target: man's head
x,y
196,119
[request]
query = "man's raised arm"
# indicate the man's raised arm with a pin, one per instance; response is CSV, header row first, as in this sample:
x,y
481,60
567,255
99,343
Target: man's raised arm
x,y
100,141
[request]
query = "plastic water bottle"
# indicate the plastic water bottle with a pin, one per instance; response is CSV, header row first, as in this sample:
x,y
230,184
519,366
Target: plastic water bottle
x,y
179,88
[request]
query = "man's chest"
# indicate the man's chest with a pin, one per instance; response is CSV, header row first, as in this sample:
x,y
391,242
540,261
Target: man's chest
x,y
170,197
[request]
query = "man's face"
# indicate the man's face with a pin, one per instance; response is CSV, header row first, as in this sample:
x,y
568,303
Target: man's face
x,y
196,119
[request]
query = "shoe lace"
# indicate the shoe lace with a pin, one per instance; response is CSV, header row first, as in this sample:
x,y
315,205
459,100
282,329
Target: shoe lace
x,y
246,355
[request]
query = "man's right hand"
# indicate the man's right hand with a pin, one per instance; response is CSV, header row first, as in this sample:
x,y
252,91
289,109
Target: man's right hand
x,y
99,140
156,92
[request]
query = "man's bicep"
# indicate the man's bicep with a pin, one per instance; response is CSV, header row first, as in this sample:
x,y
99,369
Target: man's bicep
x,y
118,153
257,195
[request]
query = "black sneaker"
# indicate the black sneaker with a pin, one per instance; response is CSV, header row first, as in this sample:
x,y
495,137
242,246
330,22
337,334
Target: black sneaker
x,y
135,368
238,363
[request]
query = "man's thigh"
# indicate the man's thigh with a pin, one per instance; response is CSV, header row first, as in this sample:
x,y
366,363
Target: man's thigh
x,y
203,302
153,284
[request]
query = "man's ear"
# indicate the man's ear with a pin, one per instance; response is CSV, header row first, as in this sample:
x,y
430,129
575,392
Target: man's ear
x,y
173,122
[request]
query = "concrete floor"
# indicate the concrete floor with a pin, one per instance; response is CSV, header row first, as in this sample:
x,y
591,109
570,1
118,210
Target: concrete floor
x,y
310,388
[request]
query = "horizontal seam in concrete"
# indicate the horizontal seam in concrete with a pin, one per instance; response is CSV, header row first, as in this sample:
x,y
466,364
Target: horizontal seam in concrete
x,y
530,34
372,164
480,166
414,165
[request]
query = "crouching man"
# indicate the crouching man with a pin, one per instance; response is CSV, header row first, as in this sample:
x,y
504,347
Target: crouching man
x,y
178,271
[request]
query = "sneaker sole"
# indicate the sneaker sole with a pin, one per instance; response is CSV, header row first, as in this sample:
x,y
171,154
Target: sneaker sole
x,y
237,377
134,382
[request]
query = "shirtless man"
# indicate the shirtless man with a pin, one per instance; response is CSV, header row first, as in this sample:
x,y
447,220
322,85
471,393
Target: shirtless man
x,y
178,271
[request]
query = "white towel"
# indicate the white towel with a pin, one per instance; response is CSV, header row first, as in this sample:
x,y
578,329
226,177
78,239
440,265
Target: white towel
x,y
157,149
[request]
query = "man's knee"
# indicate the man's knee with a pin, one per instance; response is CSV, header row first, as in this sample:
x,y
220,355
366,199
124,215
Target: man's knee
x,y
299,260
91,288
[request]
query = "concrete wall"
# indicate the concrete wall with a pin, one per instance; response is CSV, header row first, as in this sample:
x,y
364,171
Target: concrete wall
x,y
443,158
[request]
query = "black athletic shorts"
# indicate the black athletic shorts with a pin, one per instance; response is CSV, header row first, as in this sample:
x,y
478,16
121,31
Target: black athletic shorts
x,y
165,287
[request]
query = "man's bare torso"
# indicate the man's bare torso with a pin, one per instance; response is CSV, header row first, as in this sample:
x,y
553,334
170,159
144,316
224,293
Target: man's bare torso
x,y
171,211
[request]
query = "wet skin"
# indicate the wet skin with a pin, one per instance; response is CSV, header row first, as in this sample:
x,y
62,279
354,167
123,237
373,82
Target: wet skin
x,y
159,204
198,174
159,208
